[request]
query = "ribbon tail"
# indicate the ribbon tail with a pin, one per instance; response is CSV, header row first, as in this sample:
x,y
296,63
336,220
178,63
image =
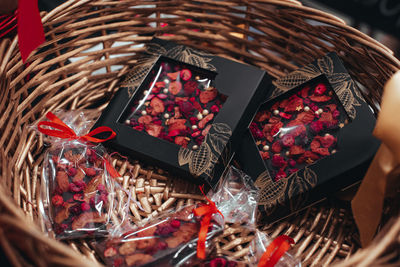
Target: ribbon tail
x,y
30,28
201,242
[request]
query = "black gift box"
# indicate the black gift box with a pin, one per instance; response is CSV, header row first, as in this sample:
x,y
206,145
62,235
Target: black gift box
x,y
340,146
239,86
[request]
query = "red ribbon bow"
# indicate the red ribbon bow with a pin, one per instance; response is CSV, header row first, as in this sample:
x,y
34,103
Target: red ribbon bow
x,y
275,251
62,130
206,212
30,28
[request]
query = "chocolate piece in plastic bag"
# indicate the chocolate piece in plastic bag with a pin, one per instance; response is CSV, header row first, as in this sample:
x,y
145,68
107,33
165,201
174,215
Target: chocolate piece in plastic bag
x,y
160,242
259,245
236,198
76,185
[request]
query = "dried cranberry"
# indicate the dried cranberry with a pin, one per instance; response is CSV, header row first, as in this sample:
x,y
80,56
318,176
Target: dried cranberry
x,y
57,200
175,223
276,147
74,188
85,206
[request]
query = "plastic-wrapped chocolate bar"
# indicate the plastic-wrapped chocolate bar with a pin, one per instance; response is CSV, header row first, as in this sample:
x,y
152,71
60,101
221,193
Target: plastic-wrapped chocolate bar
x,y
177,236
77,188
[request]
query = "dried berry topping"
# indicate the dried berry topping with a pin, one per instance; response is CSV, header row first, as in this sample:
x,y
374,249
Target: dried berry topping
x,y
110,252
57,200
186,74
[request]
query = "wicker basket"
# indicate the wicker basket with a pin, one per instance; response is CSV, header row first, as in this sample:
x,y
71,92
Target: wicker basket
x,y
277,36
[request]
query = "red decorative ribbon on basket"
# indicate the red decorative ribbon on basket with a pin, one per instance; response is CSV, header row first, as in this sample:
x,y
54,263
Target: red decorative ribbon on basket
x,y
62,130
30,28
206,212
275,251
7,24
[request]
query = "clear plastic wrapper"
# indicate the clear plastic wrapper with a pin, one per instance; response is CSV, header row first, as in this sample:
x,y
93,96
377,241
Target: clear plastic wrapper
x,y
258,247
160,242
77,194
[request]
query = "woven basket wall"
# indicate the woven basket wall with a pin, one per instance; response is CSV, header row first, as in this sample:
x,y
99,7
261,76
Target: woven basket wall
x,y
92,44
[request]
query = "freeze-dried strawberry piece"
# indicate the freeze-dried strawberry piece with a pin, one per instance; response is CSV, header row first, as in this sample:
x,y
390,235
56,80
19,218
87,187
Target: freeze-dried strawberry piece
x,y
205,120
190,87
261,116
327,141
80,175
175,87
176,124
310,155
181,140
64,213
295,104
276,128
288,140
186,107
186,74
331,107
304,92
314,145
306,117
278,161
276,147
208,95
146,119
327,119
154,129
173,75
322,151
322,98
157,106
283,103
86,218
274,120
110,252
177,113
264,155
296,150
91,172
320,89
138,259
62,180
296,128
160,84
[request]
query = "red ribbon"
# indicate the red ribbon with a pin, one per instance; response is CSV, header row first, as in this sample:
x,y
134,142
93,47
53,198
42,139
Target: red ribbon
x,y
206,212
7,24
61,130
275,251
30,28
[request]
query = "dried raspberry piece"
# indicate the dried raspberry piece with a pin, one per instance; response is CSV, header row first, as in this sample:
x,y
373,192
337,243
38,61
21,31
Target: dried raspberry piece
x,y
328,140
264,155
177,124
296,150
278,161
316,126
205,120
322,98
276,147
288,140
154,129
292,162
57,200
311,155
72,172
175,87
157,106
78,197
295,104
190,87
175,223
335,114
110,252
320,89
300,129
280,174
181,140
186,108
208,95
173,75
186,74
193,120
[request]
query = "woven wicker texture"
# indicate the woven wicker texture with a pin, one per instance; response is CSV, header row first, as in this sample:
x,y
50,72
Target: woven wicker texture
x,y
92,44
